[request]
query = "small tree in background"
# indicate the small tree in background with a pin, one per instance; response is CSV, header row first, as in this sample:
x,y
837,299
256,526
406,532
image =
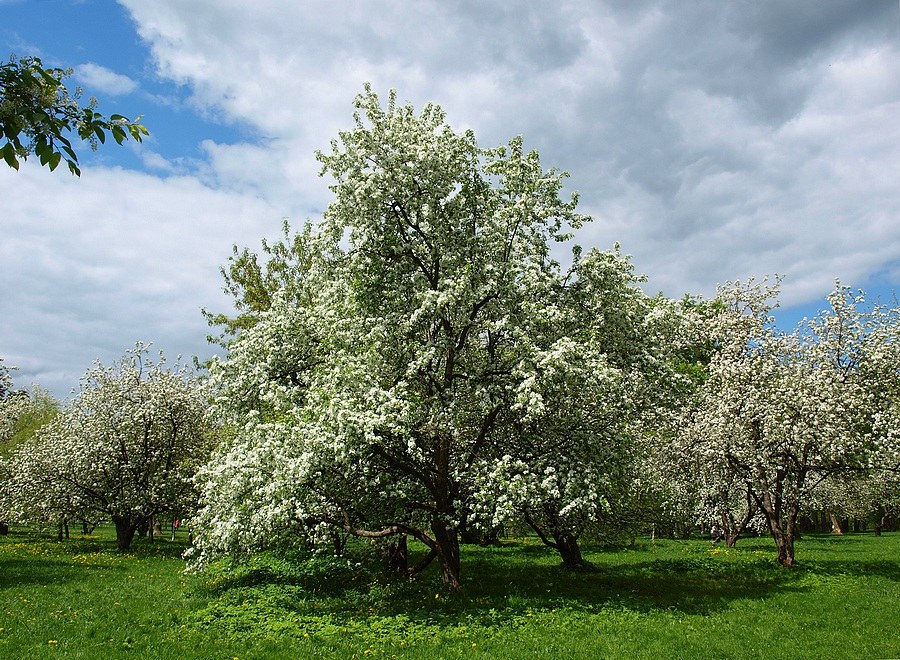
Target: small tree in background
x,y
781,413
125,448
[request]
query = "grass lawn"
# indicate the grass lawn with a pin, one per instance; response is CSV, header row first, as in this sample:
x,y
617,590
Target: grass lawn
x,y
684,599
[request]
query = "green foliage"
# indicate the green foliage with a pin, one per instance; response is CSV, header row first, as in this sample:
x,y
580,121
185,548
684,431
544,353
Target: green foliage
x,y
253,280
42,408
37,112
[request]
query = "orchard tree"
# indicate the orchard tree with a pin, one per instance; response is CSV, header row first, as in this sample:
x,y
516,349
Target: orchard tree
x,y
872,496
125,448
378,404
598,376
22,413
781,413
38,114
12,404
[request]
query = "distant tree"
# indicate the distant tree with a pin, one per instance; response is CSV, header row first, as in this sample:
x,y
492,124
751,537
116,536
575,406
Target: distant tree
x,y
781,414
38,112
6,382
125,448
24,413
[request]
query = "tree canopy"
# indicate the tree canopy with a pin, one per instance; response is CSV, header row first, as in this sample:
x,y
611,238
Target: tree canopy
x,y
781,413
433,320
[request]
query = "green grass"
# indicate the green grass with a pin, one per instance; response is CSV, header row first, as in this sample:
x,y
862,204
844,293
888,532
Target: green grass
x,y
687,599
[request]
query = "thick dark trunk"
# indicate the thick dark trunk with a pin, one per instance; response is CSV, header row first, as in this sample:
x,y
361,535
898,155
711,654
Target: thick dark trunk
x,y
783,531
567,545
396,559
338,542
564,542
446,541
125,530
785,545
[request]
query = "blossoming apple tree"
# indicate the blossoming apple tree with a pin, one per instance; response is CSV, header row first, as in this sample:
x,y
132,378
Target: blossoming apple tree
x,y
126,447
432,324
599,379
781,413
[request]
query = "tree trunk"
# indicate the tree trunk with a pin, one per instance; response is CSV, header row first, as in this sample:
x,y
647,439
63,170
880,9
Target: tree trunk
x,y
125,530
785,545
567,545
783,531
396,558
835,524
447,547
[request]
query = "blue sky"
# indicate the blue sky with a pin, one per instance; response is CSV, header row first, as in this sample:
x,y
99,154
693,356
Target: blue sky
x,y
714,141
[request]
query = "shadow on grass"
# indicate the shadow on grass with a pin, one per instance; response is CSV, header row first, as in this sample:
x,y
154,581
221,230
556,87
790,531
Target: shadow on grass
x,y
16,572
30,558
501,586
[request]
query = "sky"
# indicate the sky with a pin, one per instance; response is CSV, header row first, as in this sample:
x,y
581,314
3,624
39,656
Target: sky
x,y
713,140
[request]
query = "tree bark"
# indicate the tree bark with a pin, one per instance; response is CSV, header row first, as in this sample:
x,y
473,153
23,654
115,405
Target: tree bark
x,y
835,524
125,530
567,545
783,531
396,558
446,540
564,542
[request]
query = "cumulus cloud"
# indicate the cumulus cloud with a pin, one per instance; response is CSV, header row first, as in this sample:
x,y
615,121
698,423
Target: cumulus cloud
x,y
712,140
86,273
104,80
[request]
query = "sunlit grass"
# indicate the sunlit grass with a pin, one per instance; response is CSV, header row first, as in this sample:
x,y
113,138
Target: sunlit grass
x,y
82,599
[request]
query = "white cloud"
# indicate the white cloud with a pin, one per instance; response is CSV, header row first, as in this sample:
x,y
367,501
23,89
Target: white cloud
x,y
104,80
92,265
713,140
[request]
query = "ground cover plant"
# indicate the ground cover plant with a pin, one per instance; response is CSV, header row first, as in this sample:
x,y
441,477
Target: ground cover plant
x,y
83,599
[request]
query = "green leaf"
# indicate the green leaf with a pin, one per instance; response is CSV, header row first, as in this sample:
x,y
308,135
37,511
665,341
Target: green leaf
x,y
70,153
100,134
54,160
9,155
119,133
